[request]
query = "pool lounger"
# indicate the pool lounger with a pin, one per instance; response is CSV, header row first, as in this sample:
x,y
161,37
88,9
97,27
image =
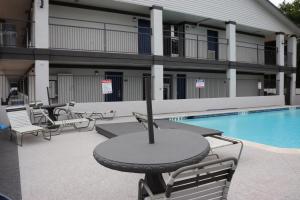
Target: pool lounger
x,y
215,138
21,125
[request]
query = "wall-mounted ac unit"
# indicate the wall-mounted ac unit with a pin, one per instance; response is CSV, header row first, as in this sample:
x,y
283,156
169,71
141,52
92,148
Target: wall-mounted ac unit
x,y
211,55
8,35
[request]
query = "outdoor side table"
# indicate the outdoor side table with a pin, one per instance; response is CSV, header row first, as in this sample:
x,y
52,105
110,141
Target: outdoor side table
x,y
172,149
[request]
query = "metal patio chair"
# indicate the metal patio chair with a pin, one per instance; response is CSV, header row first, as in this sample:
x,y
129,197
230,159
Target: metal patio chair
x,y
69,113
20,124
35,114
203,181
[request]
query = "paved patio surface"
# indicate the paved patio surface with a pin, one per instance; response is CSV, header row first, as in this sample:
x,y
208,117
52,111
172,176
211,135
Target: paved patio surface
x,y
64,168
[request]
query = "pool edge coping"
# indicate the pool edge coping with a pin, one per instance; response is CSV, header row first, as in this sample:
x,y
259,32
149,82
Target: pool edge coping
x,y
228,113
281,150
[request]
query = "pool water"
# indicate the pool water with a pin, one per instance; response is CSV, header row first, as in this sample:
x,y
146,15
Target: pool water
x,y
275,128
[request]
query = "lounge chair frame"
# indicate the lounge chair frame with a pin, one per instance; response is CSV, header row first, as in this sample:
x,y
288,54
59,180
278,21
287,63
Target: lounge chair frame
x,y
20,121
142,119
61,124
205,180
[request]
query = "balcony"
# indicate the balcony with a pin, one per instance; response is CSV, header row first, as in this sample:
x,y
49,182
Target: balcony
x,y
255,53
92,36
99,37
195,46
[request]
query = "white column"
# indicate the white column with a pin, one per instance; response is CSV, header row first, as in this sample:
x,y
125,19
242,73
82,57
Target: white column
x,y
41,80
157,73
292,55
157,70
41,34
41,23
231,57
280,62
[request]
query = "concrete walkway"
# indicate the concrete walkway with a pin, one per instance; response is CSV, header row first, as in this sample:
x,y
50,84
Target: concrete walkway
x,y
64,168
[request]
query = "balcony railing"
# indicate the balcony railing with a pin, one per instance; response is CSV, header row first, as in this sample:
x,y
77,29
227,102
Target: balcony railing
x,y
255,53
179,44
16,33
99,37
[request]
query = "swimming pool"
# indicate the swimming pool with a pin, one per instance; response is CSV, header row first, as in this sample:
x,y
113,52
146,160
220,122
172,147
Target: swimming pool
x,y
276,128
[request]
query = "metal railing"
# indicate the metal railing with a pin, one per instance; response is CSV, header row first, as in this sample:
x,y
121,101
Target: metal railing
x,y
99,36
201,87
264,86
194,46
255,53
17,89
88,88
16,33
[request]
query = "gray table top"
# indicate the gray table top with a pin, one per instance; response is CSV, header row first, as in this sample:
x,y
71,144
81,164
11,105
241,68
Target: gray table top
x,y
172,149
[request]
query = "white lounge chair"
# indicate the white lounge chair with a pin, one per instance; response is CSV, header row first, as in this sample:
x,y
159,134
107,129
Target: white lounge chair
x,y
70,113
20,124
60,124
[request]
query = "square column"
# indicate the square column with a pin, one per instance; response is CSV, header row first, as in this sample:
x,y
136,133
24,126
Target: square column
x,y
41,80
280,83
157,30
231,57
157,75
280,62
41,36
157,70
41,23
292,56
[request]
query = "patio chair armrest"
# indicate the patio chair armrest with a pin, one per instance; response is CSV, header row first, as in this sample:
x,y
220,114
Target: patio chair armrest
x,y
233,141
97,114
227,139
143,185
142,120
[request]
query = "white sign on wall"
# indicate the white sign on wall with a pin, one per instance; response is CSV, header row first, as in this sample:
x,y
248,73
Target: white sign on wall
x,y
106,86
200,83
259,85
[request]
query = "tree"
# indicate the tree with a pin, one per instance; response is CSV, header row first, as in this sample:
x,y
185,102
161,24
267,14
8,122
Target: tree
x,y
292,11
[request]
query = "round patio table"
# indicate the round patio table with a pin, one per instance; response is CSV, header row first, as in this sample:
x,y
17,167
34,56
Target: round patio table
x,y
50,109
173,148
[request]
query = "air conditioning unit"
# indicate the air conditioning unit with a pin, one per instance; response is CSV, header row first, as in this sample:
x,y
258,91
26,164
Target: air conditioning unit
x,y
211,55
8,35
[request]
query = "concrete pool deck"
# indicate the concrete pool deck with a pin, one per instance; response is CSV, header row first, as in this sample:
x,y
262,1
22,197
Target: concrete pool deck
x,y
64,168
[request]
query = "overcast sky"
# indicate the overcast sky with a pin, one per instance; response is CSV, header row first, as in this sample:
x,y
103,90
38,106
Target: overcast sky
x,y
277,2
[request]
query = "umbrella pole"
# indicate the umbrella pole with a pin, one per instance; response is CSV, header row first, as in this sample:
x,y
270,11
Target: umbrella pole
x,y
149,110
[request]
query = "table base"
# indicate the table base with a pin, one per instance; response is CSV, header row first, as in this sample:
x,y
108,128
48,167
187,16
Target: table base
x,y
156,184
